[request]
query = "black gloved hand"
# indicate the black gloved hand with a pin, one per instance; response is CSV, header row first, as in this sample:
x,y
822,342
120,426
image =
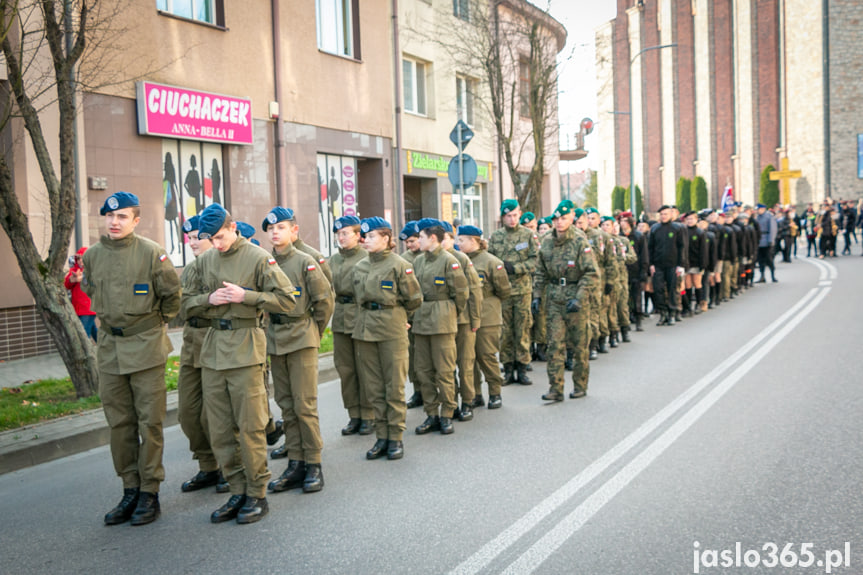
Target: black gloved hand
x,y
534,306
608,289
572,306
510,269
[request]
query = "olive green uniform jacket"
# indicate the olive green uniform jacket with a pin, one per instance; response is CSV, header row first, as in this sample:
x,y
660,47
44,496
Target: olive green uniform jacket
x,y
445,292
318,256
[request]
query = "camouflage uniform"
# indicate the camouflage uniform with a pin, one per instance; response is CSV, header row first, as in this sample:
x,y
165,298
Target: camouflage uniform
x,y
628,257
601,247
566,270
516,246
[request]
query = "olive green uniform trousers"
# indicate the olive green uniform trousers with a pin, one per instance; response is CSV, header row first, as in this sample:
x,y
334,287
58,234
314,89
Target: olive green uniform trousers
x,y
193,418
487,342
435,363
134,406
295,386
383,366
465,343
354,395
239,395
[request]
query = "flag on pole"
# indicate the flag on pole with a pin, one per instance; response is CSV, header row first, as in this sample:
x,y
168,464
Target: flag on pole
x,y
727,198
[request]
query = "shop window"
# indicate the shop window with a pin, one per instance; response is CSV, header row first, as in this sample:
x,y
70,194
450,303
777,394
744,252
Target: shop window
x,y
192,179
339,27
208,11
414,86
461,9
467,207
464,90
337,196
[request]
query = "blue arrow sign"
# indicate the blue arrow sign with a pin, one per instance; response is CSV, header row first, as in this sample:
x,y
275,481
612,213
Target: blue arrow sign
x,y
466,135
469,171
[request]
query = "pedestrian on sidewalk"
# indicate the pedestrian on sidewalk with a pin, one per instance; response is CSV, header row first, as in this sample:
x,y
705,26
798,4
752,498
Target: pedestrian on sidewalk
x,y
768,230
80,300
135,292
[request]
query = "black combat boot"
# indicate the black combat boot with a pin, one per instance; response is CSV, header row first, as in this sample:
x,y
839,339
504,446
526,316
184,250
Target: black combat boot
x,y
478,401
508,375
465,413
432,423
638,322
253,510
624,335
446,426
291,478
593,355
123,511
367,427
541,352
275,434
147,510
314,480
416,400
523,378
601,346
612,339
494,402
663,319
201,480
378,450
229,510
395,449
352,427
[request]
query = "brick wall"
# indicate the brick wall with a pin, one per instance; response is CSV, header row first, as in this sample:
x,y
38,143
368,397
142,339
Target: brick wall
x,y
767,84
723,91
621,95
22,334
652,118
685,89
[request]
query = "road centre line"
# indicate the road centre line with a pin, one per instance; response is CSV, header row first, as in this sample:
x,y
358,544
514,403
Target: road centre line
x,y
509,536
551,541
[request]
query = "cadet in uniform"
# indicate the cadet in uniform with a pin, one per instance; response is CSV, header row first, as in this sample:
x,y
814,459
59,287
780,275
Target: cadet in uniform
x,y
698,262
434,324
637,271
666,263
538,331
237,282
410,236
565,271
386,290
360,412
293,340
528,220
626,257
602,249
517,247
606,224
468,323
190,398
544,227
495,287
134,291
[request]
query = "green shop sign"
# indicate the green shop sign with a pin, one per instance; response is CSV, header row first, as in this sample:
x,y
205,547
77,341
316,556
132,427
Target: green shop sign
x,y
438,164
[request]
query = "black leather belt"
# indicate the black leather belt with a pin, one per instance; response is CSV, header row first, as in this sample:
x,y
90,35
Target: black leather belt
x,y
235,323
280,318
375,306
140,327
345,299
199,322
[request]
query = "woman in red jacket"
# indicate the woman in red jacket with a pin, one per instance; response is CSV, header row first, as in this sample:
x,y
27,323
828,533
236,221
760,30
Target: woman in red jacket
x,y
80,300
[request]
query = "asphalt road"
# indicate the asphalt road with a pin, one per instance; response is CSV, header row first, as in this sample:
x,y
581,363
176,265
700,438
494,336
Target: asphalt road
x,y
740,426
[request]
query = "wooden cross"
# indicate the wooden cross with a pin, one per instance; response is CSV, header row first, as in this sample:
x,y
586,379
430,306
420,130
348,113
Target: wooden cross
x,y
785,176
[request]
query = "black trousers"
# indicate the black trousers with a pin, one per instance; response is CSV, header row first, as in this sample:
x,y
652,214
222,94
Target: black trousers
x,y
635,297
664,286
765,259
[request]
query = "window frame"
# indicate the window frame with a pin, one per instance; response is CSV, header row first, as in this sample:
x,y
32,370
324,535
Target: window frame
x,y
415,92
217,12
347,29
461,9
524,87
466,92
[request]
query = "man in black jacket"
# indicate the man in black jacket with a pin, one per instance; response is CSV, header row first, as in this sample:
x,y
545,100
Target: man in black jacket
x,y
636,272
697,262
666,248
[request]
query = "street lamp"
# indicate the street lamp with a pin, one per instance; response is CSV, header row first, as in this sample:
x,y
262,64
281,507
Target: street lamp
x,y
631,135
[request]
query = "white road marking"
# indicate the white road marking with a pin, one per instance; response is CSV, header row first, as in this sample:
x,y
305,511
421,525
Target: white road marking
x,y
551,541
509,536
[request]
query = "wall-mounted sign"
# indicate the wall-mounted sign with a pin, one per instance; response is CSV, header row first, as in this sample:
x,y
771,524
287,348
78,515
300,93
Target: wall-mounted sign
x,y
421,162
172,112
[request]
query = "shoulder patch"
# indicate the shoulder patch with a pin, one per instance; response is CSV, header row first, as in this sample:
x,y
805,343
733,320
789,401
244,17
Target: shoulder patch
x,y
455,266
321,260
311,268
271,261
500,267
587,250
470,264
163,257
409,271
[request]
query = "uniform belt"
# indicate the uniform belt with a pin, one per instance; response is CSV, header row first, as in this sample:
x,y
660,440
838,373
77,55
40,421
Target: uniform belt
x,y
281,318
375,306
140,327
435,298
234,323
198,322
561,281
345,299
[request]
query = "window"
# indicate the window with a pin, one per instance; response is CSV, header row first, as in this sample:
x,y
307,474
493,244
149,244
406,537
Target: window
x,y
414,86
467,208
338,27
461,9
464,89
209,11
524,87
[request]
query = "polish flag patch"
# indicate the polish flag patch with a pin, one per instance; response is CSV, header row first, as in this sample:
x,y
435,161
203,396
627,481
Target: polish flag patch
x,y
311,268
409,271
320,261
271,261
455,266
163,257
500,267
587,250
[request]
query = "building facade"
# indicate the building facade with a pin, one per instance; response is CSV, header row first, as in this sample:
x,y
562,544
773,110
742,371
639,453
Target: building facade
x,y
722,88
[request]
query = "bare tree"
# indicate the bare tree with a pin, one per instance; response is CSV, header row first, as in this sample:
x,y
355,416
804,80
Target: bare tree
x,y
43,43
515,46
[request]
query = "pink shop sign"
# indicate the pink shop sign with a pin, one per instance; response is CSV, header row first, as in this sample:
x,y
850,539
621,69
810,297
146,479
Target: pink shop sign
x,y
172,112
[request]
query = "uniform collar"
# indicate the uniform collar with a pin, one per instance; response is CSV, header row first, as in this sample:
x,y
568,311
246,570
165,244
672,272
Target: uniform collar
x,y
282,256
350,252
116,244
432,255
379,256
235,246
567,235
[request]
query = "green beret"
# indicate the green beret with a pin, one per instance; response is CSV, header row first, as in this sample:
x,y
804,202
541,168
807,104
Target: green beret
x,y
578,213
606,219
527,217
591,210
546,220
563,208
508,206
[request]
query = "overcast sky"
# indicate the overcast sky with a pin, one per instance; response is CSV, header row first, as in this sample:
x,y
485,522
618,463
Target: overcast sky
x,y
577,97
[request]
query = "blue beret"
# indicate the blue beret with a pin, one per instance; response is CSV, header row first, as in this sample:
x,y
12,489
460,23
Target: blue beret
x,y
117,201
191,224
375,223
276,215
254,241
759,206
508,206
469,231
211,221
344,222
409,230
245,230
427,223
447,227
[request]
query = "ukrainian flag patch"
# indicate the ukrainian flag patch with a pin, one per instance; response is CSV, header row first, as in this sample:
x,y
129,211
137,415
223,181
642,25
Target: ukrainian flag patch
x,y
438,281
386,284
141,289
298,291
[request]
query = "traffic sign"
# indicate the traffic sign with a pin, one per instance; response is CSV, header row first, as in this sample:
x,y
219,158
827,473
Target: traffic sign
x,y
466,135
468,171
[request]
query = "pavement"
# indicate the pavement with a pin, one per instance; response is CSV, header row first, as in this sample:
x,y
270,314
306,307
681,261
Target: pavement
x,y
42,442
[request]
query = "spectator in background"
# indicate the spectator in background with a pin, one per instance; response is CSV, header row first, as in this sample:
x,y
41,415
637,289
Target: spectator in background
x,y
849,225
783,234
768,232
80,300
